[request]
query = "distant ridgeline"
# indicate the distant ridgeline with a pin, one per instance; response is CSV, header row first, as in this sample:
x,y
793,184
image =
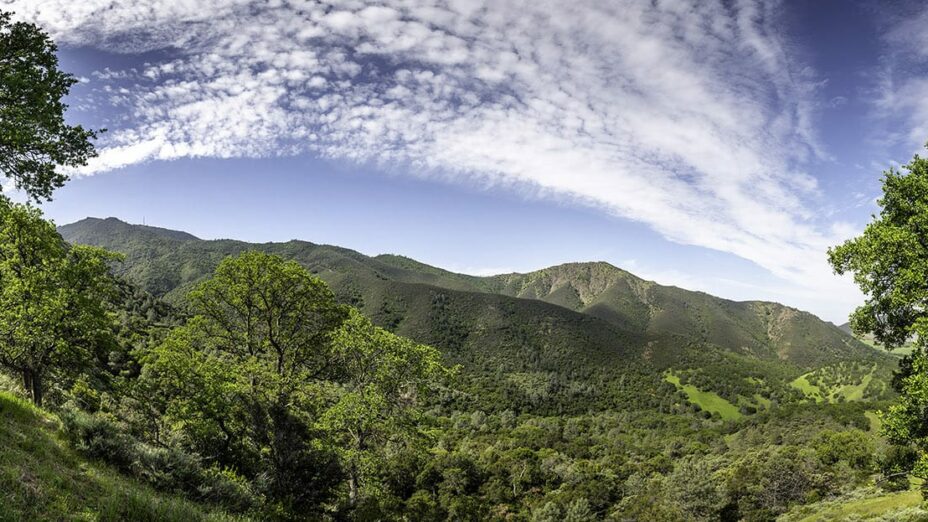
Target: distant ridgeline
x,y
573,338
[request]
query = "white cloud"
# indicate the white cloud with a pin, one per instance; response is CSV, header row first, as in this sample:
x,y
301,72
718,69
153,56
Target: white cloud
x,y
900,97
689,117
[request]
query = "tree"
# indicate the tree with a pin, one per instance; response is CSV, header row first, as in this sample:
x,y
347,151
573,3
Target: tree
x,y
34,138
247,376
890,259
890,265
53,298
694,488
270,376
386,378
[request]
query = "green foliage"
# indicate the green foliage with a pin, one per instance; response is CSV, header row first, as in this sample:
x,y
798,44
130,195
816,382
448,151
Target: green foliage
x,y
274,380
385,376
314,410
166,469
34,138
890,264
41,478
519,348
245,377
706,401
890,259
854,448
53,299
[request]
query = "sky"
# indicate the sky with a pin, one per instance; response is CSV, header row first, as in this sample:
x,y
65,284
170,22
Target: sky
x,y
717,146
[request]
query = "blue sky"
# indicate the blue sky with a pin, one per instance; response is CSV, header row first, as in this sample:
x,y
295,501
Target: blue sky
x,y
717,146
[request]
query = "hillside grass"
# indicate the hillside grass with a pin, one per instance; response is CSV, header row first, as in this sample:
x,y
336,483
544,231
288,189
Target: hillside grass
x,y
902,505
847,392
854,392
708,401
41,478
808,389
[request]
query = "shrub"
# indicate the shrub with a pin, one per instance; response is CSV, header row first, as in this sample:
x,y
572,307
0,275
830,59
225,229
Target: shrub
x,y
164,468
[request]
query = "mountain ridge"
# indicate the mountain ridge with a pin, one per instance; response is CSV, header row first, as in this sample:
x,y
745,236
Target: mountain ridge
x,y
558,329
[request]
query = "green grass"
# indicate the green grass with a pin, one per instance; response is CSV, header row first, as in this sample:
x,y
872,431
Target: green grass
x,y
850,392
882,506
41,478
854,392
708,401
905,349
762,401
810,390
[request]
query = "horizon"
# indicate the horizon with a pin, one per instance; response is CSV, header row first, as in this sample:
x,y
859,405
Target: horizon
x,y
720,148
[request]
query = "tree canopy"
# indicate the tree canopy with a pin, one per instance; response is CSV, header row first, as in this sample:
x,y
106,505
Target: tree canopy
x,y
52,298
35,141
890,259
272,378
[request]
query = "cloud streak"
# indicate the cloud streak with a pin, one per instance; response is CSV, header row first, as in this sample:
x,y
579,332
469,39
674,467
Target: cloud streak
x,y
900,96
693,119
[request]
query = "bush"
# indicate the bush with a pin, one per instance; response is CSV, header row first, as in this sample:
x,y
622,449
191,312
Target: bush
x,y
165,469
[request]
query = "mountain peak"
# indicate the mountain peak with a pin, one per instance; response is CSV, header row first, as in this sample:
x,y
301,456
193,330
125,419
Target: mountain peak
x,y
93,226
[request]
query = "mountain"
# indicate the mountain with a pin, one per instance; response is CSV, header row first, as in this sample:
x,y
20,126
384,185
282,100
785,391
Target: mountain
x,y
540,339
762,329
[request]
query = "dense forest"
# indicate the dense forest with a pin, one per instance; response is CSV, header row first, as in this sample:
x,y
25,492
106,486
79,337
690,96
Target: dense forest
x,y
146,374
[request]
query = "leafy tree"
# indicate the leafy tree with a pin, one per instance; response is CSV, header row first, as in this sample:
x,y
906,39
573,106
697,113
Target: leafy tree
x,y
53,297
890,264
695,489
853,447
579,511
890,259
245,376
386,378
34,138
548,512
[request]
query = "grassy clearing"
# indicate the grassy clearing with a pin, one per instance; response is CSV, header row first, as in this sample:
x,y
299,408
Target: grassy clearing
x,y
708,401
854,392
849,392
42,479
762,401
810,390
905,349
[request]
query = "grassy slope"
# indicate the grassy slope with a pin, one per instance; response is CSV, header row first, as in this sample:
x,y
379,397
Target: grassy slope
x,y
883,506
42,479
762,329
853,391
810,390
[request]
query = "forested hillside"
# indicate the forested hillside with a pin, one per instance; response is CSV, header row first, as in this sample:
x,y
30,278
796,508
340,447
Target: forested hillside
x,y
565,339
575,393
585,392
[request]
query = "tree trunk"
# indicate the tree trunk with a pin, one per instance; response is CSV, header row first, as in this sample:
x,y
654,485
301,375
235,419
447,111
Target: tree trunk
x,y
353,486
27,381
37,391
